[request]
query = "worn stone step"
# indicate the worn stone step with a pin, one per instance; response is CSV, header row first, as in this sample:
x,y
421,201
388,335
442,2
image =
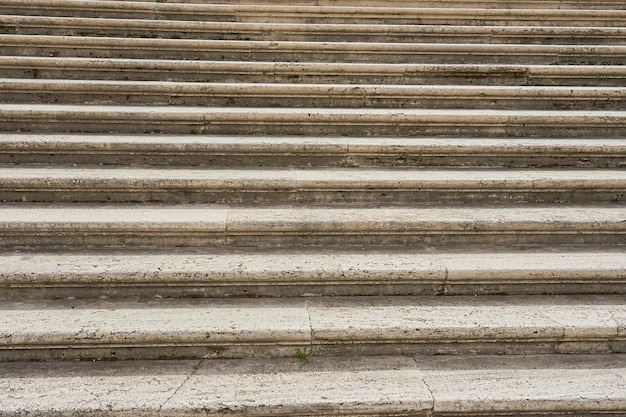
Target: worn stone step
x,y
483,4
146,28
373,52
330,271
297,151
310,95
214,225
279,186
311,72
277,327
317,14
311,121
429,386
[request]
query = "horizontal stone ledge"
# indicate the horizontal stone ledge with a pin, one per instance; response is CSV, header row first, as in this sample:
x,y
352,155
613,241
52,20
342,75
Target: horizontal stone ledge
x,y
311,95
210,225
310,121
315,271
338,325
484,4
388,385
119,184
231,71
308,14
368,52
64,26
313,151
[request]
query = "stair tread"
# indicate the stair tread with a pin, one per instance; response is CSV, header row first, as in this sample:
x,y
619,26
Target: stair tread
x,y
13,142
272,71
385,385
539,324
273,12
285,218
213,266
251,113
331,178
336,90
39,25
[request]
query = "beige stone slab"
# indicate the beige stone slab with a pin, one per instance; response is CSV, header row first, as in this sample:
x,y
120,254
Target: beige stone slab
x,y
367,386
526,385
89,388
328,72
152,329
374,52
290,31
112,218
118,178
476,268
318,266
400,219
431,320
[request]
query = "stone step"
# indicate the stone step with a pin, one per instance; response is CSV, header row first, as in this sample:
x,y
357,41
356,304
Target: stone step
x,y
483,4
330,271
310,95
324,32
372,52
215,225
306,151
278,327
311,121
311,72
429,386
284,186
261,13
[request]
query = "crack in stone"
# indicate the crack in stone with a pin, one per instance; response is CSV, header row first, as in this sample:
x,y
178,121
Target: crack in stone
x,y
430,391
193,372
312,332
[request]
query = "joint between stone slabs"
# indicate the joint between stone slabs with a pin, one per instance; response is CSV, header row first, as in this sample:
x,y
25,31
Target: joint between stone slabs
x,y
311,331
193,372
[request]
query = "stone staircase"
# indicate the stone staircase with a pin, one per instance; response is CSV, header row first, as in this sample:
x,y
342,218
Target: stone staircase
x,y
312,208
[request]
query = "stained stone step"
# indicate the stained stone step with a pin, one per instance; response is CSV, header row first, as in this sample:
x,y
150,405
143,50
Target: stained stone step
x,y
310,95
146,28
311,121
279,186
214,225
317,14
226,328
296,151
246,272
538,385
372,52
483,4
311,72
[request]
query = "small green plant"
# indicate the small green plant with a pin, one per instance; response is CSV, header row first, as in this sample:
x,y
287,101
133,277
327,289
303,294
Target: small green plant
x,y
304,355
160,1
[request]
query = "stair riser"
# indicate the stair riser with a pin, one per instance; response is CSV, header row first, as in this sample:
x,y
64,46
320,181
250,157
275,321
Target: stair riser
x,y
362,98
439,238
278,196
609,56
126,290
269,159
158,351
